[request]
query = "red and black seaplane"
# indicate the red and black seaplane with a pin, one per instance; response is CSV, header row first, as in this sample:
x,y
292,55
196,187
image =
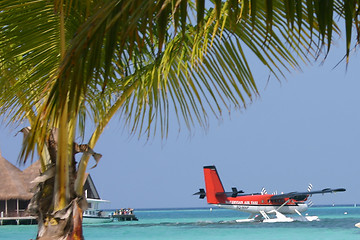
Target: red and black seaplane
x,y
263,207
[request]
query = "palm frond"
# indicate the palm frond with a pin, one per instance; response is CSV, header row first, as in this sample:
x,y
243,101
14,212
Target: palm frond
x,y
124,45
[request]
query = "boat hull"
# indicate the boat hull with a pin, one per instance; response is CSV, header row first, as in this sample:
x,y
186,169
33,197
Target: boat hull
x,y
94,219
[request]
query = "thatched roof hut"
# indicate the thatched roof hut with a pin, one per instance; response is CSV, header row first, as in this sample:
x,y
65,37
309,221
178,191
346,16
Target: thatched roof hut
x,y
15,190
30,173
13,184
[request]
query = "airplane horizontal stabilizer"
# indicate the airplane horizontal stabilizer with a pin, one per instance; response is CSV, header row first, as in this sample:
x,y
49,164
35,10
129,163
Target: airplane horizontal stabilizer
x,y
234,193
201,192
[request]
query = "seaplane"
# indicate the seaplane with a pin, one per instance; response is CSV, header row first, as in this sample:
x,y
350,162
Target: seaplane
x,y
263,207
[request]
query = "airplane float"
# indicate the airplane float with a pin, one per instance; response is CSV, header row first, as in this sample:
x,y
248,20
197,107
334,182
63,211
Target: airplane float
x,y
263,207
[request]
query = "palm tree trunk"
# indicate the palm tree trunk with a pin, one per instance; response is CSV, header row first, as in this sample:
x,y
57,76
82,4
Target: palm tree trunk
x,y
63,224
54,222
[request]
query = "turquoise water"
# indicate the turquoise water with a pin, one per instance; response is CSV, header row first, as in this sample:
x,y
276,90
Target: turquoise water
x,y
217,224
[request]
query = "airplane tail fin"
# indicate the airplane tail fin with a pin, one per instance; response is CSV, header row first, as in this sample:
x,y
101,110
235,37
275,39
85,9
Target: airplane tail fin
x,y
214,188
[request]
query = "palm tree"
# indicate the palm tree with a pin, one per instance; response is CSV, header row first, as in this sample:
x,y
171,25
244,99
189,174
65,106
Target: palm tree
x,y
64,62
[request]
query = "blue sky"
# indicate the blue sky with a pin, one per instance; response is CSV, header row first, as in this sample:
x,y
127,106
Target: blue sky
x,y
302,130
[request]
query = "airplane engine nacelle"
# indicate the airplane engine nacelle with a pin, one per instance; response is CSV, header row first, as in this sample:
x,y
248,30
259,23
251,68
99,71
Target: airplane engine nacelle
x,y
300,198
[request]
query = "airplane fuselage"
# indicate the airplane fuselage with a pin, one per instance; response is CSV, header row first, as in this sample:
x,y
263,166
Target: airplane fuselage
x,y
287,209
257,203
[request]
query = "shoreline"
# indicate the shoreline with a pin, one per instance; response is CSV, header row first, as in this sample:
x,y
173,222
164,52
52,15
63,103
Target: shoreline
x,y
215,207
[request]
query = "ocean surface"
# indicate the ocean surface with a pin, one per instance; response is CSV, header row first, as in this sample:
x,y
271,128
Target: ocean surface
x,y
335,223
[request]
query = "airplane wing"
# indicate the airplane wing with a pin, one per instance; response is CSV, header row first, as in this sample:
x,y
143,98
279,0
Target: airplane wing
x,y
301,196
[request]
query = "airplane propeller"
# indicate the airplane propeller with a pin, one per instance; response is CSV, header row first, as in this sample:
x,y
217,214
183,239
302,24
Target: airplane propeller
x,y
310,187
310,202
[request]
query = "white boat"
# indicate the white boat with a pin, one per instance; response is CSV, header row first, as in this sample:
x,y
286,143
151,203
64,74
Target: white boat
x,y
93,214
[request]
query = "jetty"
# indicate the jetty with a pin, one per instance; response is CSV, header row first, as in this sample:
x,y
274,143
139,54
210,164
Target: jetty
x,y
124,214
28,220
130,217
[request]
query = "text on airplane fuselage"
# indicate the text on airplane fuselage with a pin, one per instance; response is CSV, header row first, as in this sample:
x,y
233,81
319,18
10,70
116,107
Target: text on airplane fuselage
x,y
243,202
